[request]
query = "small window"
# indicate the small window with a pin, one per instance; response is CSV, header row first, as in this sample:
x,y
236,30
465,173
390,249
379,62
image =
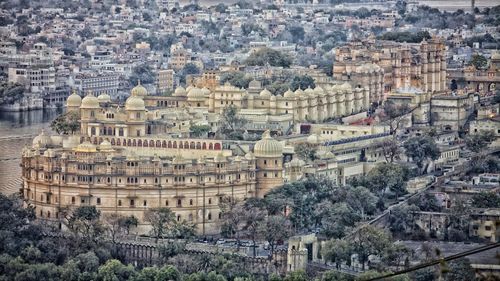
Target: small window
x,y
209,216
179,203
119,202
191,202
132,202
166,202
209,200
145,203
98,201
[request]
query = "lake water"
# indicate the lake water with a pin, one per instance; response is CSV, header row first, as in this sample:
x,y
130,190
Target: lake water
x,y
17,129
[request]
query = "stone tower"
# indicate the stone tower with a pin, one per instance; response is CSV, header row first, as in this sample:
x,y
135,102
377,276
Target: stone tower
x,y
269,163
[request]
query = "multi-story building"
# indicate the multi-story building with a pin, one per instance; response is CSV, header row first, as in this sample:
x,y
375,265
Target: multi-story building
x,y
421,65
115,164
482,81
165,81
97,82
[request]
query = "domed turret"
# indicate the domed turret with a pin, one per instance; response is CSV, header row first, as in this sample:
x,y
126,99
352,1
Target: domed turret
x,y
195,94
74,101
268,147
89,102
205,91
346,87
105,146
180,92
139,90
42,140
104,98
318,90
288,94
254,84
309,92
134,103
85,146
265,93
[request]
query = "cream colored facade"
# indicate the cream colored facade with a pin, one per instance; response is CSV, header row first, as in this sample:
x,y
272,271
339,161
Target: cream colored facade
x,y
410,65
118,165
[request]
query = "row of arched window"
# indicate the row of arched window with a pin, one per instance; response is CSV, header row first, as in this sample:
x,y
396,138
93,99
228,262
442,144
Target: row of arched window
x,y
163,144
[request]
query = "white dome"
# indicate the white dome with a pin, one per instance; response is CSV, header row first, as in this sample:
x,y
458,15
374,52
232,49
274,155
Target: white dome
x,y
85,146
104,98
205,91
134,103
195,94
318,90
268,147
42,140
314,139
89,102
74,100
179,92
288,94
139,90
265,93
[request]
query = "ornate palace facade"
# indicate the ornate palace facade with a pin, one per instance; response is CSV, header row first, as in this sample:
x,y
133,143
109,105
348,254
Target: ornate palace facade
x,y
116,164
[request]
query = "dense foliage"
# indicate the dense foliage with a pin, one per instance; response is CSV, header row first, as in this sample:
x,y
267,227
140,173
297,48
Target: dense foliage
x,y
267,56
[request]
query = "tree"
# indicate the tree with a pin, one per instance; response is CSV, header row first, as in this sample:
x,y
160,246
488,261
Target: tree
x,y
421,149
402,220
306,151
162,221
478,61
337,251
335,276
361,200
143,74
231,124
199,130
391,150
385,176
265,56
478,142
237,78
66,123
426,203
396,115
168,272
303,82
190,68
84,222
253,217
368,241
274,229
10,93
297,33
486,200
460,270
114,270
340,216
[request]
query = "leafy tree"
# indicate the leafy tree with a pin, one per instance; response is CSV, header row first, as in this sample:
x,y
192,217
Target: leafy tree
x,y
402,219
274,229
85,224
231,124
486,200
426,274
478,142
265,56
303,82
460,270
297,33
396,115
339,217
162,221
383,177
117,225
335,276
391,150
66,123
10,93
168,272
142,73
426,203
306,151
361,200
237,78
114,270
199,130
296,276
478,61
421,149
337,251
368,241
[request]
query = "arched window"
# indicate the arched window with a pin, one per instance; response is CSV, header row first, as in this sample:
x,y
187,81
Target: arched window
x,y
151,143
217,146
179,203
139,143
92,131
178,217
204,146
192,146
166,202
174,145
210,146
110,131
191,202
